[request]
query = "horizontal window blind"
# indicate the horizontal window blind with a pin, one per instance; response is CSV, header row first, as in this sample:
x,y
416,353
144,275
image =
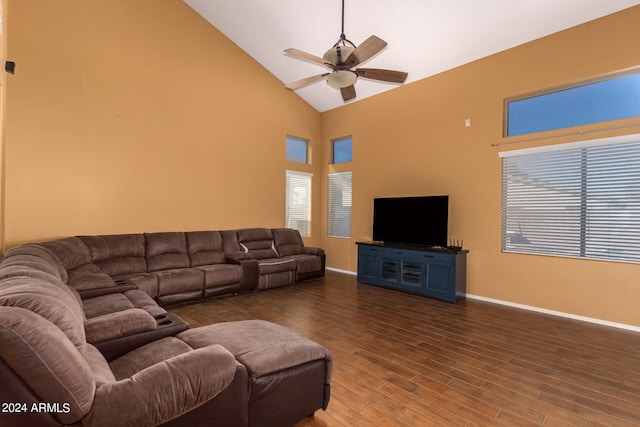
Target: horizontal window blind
x,y
580,201
298,212
339,204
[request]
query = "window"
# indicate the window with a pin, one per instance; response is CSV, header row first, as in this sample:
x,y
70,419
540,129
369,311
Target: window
x,y
341,150
298,212
340,204
577,200
297,149
616,98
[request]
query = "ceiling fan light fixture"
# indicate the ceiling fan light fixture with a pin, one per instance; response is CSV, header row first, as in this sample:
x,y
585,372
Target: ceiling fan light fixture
x,y
341,78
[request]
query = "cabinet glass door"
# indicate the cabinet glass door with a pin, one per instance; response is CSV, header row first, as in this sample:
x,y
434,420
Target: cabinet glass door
x,y
389,269
411,274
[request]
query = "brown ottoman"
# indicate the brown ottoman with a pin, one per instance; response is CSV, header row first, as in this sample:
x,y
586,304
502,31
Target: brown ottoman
x,y
289,375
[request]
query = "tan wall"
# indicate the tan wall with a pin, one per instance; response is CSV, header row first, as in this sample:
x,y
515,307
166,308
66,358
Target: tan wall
x,y
137,116
131,116
413,141
3,85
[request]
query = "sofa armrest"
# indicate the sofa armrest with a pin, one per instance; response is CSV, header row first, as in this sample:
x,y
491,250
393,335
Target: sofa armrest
x,y
118,324
117,289
238,257
165,390
310,250
168,325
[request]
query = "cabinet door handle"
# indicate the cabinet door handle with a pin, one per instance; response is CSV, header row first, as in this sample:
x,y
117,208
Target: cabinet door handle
x,y
428,256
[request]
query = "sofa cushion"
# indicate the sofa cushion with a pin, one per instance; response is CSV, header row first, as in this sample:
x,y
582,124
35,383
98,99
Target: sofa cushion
x,y
48,301
287,241
119,301
72,252
141,300
118,324
37,257
229,241
205,248
263,347
118,254
20,269
258,242
165,251
99,366
105,304
275,265
90,281
146,282
221,274
165,391
179,280
46,361
147,355
307,263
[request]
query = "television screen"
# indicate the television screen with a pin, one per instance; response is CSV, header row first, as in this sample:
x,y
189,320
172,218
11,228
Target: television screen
x,y
411,220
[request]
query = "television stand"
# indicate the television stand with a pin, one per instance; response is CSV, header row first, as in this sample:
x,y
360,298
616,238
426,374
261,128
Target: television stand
x,y
436,272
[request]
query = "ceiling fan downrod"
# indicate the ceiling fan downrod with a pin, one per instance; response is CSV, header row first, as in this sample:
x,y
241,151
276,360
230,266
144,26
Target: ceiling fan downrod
x,y
343,39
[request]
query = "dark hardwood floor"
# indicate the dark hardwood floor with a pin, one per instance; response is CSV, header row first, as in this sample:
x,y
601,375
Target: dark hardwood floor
x,y
401,359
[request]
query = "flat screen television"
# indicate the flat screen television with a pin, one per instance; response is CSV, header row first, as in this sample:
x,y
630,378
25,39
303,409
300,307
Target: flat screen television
x,y
411,220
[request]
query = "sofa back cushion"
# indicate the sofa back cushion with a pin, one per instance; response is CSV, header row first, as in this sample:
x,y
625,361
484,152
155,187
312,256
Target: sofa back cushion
x,y
205,248
288,241
37,257
72,252
118,254
50,300
230,241
258,242
165,251
48,363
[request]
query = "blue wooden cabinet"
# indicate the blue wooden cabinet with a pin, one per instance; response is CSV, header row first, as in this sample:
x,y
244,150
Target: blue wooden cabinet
x,y
438,273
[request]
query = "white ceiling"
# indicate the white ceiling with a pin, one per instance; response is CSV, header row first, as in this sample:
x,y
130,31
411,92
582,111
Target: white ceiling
x,y
424,37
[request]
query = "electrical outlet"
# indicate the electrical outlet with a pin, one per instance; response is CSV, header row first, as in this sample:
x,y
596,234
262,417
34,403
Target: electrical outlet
x,y
467,123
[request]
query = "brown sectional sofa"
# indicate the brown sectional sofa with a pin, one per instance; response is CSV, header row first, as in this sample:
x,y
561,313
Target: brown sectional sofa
x,y
83,332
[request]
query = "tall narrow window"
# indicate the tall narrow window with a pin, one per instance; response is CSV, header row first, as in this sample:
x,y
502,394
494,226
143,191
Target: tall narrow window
x,y
298,212
297,149
341,150
340,204
578,200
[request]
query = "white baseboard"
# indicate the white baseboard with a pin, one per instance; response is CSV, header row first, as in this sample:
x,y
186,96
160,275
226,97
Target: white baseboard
x,y
557,313
532,308
337,270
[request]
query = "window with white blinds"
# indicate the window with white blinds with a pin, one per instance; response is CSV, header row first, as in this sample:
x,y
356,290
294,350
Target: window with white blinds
x,y
577,200
340,204
298,212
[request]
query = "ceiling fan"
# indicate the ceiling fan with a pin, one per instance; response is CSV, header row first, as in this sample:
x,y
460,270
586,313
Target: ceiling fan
x,y
341,59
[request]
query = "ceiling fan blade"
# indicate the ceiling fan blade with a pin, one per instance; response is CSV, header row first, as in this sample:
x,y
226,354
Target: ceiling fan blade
x,y
348,93
384,75
305,82
365,51
308,57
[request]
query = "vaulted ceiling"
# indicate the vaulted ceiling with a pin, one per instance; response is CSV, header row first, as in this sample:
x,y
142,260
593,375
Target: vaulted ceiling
x,y
425,37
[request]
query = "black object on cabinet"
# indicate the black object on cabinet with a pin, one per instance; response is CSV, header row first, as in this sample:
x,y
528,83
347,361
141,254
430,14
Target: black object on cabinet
x,y
438,273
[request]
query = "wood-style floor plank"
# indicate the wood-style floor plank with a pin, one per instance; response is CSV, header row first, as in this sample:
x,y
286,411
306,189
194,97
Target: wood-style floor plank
x,y
407,360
